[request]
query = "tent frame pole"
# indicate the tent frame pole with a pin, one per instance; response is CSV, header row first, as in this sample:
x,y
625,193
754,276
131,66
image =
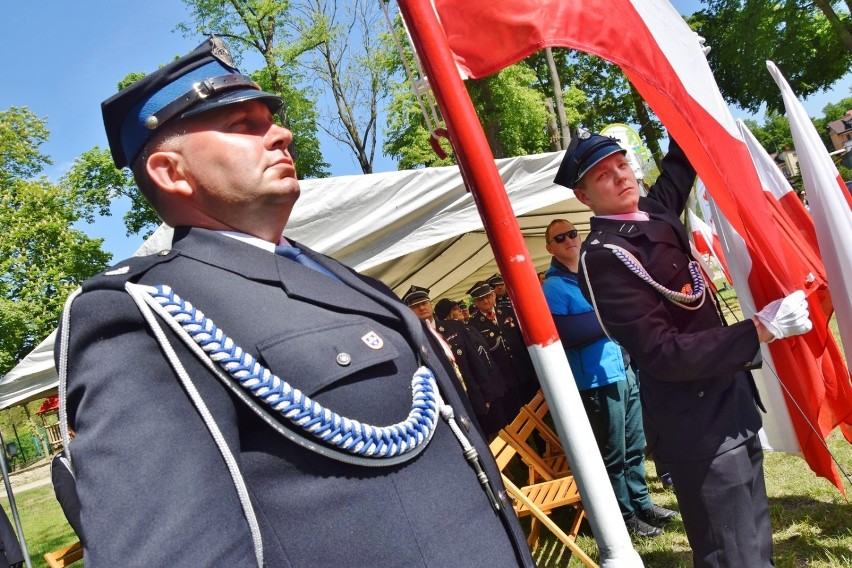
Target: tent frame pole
x,y
482,179
12,505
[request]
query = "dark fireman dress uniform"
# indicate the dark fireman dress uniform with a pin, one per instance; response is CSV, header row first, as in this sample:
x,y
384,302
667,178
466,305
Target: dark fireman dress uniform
x,y
170,366
698,397
485,384
507,349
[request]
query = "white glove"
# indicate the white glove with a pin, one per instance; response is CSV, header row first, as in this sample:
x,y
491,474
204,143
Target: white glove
x,y
786,317
702,43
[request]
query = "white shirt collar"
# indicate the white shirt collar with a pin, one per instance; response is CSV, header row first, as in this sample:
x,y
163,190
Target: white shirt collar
x,y
254,241
638,216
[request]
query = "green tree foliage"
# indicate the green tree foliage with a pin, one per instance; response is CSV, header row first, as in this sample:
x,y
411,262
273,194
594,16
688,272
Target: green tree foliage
x,y
808,47
774,134
510,106
512,111
42,257
597,93
97,181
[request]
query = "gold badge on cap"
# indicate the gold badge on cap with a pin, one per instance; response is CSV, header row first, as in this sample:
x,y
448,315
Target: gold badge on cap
x,y
220,51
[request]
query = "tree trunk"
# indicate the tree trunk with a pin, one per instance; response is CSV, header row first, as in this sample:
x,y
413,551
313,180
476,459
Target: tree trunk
x,y
553,136
562,119
842,31
490,125
646,129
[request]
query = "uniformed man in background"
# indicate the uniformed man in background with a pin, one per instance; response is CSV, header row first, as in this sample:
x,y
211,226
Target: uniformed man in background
x,y
485,384
500,328
220,389
501,295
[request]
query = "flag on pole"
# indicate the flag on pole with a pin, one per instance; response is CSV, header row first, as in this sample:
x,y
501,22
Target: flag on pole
x,y
665,62
781,195
707,241
829,202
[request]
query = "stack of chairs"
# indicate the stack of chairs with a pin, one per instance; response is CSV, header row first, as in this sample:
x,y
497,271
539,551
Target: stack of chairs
x,y
548,483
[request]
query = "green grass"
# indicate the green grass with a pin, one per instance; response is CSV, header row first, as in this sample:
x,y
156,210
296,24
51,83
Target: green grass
x,y
45,527
812,522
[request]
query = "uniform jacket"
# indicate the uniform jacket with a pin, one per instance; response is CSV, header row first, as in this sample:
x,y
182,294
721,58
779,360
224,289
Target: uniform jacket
x,y
485,383
153,486
698,397
65,489
505,344
597,363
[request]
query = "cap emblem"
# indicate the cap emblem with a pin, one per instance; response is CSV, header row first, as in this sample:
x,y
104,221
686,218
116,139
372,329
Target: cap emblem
x,y
220,51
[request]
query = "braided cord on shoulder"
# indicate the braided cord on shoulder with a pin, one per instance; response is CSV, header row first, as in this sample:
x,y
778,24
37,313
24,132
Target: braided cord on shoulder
x,y
345,434
678,298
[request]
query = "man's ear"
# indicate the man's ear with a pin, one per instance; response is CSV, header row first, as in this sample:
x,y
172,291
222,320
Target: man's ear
x,y
167,170
581,195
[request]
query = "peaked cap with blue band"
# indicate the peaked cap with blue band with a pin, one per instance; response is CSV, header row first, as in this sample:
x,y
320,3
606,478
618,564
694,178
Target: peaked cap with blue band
x,y
203,80
584,151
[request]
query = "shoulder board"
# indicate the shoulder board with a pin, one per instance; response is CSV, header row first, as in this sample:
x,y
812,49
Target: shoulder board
x,y
128,270
596,240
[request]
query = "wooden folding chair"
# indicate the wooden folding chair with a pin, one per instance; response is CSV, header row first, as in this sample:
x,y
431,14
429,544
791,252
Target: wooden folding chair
x,y
542,466
64,556
537,500
554,454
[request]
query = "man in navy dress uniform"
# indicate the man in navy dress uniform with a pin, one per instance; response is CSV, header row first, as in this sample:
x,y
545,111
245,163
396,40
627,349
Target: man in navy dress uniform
x,y
500,328
240,400
698,397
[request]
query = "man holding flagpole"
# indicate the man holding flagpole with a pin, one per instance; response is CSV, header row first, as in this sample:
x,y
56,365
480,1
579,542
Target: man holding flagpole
x,y
698,397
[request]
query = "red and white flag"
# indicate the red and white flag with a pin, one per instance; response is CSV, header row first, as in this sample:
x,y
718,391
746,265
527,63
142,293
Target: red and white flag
x,y
664,60
706,242
830,206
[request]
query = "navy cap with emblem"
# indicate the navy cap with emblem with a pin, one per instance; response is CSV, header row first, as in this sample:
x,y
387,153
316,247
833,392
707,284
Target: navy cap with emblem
x,y
480,289
495,280
463,305
584,151
415,295
203,80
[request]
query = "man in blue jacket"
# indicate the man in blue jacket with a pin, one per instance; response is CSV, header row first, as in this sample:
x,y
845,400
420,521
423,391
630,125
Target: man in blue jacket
x,y
607,386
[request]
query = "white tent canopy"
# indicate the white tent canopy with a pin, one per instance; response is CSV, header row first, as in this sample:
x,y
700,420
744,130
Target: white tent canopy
x,y
411,227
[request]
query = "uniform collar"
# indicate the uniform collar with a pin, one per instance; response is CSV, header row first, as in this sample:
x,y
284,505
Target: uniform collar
x,y
254,241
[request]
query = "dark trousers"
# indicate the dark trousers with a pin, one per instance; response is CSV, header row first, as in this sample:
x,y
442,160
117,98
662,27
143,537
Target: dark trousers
x,y
615,414
724,508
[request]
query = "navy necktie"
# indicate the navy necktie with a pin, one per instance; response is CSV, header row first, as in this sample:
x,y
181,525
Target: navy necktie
x,y
295,254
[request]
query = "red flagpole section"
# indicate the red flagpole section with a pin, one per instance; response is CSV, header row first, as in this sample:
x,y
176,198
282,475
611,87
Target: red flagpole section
x,y
480,174
483,181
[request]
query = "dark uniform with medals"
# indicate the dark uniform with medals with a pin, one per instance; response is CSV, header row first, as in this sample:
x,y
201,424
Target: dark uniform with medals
x,y
231,405
485,384
698,397
507,349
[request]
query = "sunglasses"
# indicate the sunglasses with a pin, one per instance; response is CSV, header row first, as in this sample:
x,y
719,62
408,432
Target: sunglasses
x,y
560,238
